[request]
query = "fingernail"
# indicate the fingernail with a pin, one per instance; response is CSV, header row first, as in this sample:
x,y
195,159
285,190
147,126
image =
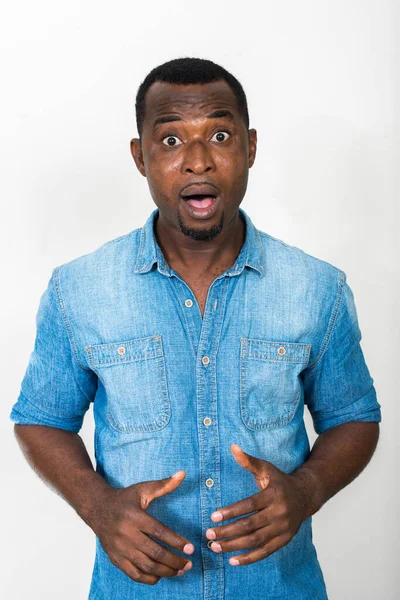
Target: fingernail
x,y
216,547
188,566
234,561
217,516
211,535
188,549
180,572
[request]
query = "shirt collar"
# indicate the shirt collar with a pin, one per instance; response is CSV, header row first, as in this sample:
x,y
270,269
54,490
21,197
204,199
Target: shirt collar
x,y
251,254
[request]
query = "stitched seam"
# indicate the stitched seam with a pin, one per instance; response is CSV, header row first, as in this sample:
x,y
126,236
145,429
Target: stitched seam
x,y
119,238
260,266
292,247
61,306
139,260
126,361
165,411
98,356
179,293
332,320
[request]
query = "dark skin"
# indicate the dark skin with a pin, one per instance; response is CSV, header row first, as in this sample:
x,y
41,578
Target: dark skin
x,y
340,454
197,157
284,501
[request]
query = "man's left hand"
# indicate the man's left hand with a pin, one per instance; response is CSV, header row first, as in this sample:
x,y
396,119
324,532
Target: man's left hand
x,y
279,509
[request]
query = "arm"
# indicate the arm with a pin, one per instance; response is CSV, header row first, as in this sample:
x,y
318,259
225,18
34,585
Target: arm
x,y
341,397
117,516
60,459
338,456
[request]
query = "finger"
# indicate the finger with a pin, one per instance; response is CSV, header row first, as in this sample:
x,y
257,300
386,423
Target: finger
x,y
165,562
159,531
243,507
252,540
260,553
150,566
243,526
135,573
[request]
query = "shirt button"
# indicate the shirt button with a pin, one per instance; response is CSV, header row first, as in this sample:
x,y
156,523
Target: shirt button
x,y
188,303
281,350
121,350
207,421
209,482
209,543
205,360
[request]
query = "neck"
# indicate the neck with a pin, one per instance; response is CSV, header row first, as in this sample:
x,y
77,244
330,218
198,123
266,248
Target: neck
x,y
183,253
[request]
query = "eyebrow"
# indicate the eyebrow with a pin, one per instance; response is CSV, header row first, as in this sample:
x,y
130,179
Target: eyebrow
x,y
217,114
167,119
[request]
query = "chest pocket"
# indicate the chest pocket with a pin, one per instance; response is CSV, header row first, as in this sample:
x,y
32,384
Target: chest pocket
x,y
270,387
134,378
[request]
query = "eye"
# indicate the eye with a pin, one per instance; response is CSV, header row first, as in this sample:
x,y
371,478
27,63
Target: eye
x,y
220,136
171,140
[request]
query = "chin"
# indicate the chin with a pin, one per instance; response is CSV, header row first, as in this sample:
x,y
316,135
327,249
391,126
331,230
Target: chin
x,y
201,232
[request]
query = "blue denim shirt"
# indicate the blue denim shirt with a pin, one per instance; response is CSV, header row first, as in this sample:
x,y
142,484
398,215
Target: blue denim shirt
x,y
172,390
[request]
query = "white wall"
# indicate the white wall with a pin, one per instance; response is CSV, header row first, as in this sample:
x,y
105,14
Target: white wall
x,y
322,88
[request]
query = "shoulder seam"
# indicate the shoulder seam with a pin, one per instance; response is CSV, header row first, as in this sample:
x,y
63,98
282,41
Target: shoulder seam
x,y
99,248
333,318
121,237
268,235
67,325
298,249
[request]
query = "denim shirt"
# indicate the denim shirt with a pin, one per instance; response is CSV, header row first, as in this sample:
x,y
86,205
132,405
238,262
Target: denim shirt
x,y
173,390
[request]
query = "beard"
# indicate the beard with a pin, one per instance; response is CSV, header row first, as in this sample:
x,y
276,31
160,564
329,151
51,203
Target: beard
x,y
201,235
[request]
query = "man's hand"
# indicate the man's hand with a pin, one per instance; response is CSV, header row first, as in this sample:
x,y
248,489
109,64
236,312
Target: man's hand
x,y
123,527
117,516
279,509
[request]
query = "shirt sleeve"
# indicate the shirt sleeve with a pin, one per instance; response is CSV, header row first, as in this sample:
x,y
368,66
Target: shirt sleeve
x,y
338,387
56,390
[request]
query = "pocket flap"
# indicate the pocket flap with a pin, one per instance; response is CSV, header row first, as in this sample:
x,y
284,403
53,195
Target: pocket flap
x,y
124,352
275,351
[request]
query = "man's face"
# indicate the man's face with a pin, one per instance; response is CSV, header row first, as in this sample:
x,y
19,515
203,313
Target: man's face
x,y
196,153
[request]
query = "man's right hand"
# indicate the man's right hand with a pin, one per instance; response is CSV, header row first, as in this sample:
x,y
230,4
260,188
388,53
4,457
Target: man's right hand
x,y
123,526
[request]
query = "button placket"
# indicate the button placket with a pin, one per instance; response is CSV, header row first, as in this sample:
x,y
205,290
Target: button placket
x,y
207,350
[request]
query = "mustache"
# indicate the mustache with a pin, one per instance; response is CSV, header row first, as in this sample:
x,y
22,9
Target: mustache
x,y
200,183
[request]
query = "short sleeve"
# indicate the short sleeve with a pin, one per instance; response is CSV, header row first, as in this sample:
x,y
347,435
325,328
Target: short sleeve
x,y
55,391
338,387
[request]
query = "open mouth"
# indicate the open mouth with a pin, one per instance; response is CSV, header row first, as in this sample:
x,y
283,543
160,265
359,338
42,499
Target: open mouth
x,y
202,201
201,206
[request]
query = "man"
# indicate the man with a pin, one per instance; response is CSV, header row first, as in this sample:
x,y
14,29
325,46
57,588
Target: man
x,y
199,339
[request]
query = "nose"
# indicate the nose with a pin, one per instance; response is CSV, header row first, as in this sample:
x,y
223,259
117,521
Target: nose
x,y
197,158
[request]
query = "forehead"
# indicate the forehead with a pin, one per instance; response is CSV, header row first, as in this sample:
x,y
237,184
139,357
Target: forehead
x,y
166,98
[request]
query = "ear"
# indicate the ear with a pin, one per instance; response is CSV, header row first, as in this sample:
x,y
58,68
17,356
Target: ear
x,y
252,146
136,151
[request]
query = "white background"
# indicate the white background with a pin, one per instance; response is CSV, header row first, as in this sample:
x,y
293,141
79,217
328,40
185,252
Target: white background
x,y
322,84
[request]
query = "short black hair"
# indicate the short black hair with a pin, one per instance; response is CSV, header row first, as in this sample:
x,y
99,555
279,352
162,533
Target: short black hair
x,y
189,71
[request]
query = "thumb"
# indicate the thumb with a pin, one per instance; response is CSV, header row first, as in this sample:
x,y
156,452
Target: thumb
x,y
150,490
261,469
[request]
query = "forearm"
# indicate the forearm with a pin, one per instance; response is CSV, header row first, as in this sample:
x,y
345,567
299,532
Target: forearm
x,y
61,460
337,458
